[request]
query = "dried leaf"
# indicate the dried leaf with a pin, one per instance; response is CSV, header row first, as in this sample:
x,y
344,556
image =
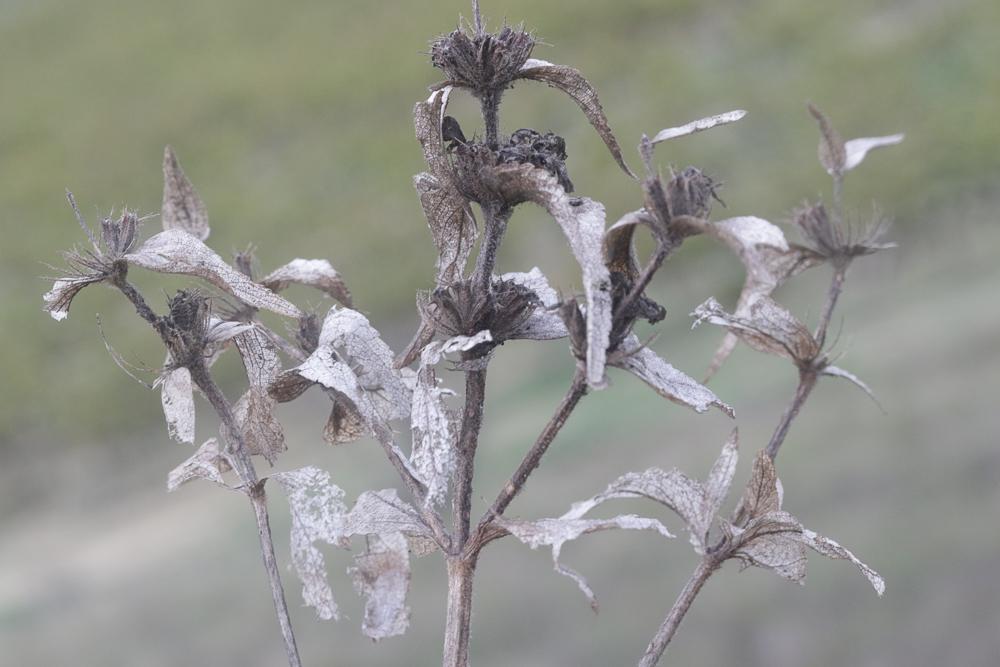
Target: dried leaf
x,y
832,152
769,261
220,331
176,251
383,513
773,542
762,495
344,424
254,411
768,328
209,462
835,371
317,273
582,222
317,509
64,290
571,82
556,532
182,208
720,477
544,323
619,246
699,125
668,382
177,397
831,549
452,225
857,149
434,430
382,576
427,119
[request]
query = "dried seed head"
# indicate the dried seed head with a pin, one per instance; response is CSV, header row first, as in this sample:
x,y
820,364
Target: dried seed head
x,y
308,332
691,193
118,236
188,325
576,324
838,243
545,151
486,63
462,310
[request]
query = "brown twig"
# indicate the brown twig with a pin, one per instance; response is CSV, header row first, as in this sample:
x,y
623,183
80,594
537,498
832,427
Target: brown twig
x,y
668,628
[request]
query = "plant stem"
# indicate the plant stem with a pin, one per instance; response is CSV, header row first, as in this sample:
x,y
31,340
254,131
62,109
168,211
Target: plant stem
x,y
461,570
259,500
472,423
807,380
832,295
534,455
663,250
494,227
489,103
673,620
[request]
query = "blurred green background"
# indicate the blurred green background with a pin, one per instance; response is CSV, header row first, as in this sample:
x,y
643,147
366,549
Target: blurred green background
x,y
293,121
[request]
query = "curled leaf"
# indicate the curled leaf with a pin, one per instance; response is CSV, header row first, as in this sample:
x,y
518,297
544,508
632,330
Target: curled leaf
x,y
544,323
668,382
434,430
209,462
382,576
177,251
831,549
768,328
427,119
699,125
452,225
572,82
582,222
317,273
182,208
857,149
835,371
64,290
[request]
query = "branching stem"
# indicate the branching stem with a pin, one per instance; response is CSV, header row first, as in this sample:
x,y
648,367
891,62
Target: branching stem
x,y
807,380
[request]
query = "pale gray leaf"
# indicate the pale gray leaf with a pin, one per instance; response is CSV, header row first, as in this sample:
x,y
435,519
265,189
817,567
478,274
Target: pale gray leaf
x,y
762,494
317,509
768,328
452,225
182,208
382,576
176,251
177,397
835,371
699,125
317,273
582,222
556,532
427,119
209,462
668,382
434,430
545,322
220,331
720,477
776,546
572,82
831,549
382,513
536,281
857,149
262,431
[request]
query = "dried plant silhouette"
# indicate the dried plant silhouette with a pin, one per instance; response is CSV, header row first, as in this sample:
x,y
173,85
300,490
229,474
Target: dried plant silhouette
x,y
470,312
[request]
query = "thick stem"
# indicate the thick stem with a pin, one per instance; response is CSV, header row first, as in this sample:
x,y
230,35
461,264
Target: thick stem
x,y
472,423
494,227
489,103
673,620
259,500
461,571
832,295
534,456
807,380
663,250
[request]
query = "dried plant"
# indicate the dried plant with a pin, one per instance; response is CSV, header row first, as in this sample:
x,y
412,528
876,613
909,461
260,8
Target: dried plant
x,y
463,319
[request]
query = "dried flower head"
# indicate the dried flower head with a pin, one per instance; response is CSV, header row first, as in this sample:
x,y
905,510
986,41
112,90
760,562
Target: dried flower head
x,y
546,151
838,243
485,63
691,192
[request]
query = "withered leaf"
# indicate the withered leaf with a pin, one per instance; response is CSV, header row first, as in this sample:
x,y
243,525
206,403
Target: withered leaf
x,y
452,225
317,273
344,423
556,532
835,371
768,328
619,245
319,514
182,208
857,149
434,431
572,82
763,491
177,397
699,125
176,251
209,462
773,542
544,323
382,576
831,549
582,222
668,382
64,290
427,119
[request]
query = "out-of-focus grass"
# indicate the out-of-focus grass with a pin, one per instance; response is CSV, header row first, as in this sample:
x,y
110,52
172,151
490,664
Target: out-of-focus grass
x,y
294,123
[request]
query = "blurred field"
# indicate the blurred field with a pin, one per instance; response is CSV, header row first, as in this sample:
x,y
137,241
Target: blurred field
x,y
294,123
